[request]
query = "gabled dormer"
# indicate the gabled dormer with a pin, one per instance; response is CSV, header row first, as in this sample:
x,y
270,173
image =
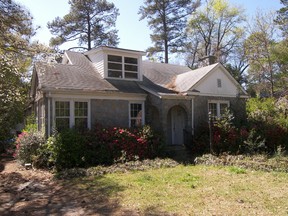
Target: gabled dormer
x,y
116,63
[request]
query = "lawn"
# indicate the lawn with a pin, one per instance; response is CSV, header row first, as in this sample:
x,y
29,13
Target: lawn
x,y
194,190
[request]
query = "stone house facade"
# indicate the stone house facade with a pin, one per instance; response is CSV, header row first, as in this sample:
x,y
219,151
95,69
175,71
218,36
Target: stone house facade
x,y
115,87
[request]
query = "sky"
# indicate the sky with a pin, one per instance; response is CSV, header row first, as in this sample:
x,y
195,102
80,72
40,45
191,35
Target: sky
x,y
133,34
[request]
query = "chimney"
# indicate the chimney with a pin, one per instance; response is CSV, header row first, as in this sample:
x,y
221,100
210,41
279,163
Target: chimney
x,y
207,60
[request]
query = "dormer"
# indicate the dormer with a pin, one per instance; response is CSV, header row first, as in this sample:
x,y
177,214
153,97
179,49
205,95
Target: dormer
x,y
116,63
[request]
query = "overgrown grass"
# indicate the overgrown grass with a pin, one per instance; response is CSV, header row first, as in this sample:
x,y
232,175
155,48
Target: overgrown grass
x,y
197,190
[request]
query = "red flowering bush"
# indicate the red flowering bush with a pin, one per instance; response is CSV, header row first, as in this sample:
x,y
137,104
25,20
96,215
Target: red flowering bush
x,y
107,145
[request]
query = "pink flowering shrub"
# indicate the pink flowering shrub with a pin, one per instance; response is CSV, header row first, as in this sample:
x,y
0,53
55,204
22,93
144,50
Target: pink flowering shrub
x,y
27,144
107,145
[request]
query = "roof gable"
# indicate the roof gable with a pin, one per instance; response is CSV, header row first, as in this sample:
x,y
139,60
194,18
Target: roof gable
x,y
208,79
184,82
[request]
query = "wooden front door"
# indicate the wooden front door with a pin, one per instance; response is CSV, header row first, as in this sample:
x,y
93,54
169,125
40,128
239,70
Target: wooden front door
x,y
178,125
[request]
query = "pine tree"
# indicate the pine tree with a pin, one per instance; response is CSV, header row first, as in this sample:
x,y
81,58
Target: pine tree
x,y
167,19
90,22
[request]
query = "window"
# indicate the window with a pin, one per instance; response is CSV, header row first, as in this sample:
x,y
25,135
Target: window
x,y
131,68
217,108
71,113
136,115
122,67
115,66
81,114
62,115
219,83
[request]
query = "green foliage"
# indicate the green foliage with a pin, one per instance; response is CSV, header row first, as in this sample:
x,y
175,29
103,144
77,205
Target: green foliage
x,y
214,30
237,170
167,20
73,148
68,149
12,96
253,144
282,17
87,22
30,123
27,144
16,27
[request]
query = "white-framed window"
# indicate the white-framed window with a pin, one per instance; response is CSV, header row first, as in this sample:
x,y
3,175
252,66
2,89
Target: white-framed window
x,y
122,67
217,108
62,115
136,114
71,113
81,114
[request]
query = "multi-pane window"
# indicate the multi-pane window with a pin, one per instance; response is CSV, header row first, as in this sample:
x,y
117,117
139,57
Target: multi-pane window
x,y
71,113
217,108
62,115
212,109
114,66
81,114
122,67
136,115
131,68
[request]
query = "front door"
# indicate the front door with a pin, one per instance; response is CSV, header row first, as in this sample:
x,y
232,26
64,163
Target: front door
x,y
178,125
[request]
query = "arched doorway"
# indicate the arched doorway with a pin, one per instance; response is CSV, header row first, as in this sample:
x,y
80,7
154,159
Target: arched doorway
x,y
177,121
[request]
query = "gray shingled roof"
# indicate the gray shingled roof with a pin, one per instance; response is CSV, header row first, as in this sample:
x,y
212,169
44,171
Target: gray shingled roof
x,y
82,75
160,77
186,81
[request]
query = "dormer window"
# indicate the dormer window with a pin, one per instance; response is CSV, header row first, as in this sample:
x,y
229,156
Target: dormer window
x,y
122,67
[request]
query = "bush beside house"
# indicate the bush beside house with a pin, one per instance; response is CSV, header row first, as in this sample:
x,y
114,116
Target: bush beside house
x,y
266,129
74,148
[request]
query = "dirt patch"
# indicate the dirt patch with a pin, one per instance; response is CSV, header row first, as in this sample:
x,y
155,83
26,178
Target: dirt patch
x,y
36,192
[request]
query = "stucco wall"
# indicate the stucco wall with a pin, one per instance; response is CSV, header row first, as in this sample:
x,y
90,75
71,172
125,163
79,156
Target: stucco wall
x,y
110,113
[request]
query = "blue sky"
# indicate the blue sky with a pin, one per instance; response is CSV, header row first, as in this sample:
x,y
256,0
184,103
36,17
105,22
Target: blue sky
x,y
134,34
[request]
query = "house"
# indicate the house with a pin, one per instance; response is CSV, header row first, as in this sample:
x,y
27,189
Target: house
x,y
115,87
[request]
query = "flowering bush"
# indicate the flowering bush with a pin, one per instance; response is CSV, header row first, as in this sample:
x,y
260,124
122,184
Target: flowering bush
x,y
108,145
265,131
72,148
27,144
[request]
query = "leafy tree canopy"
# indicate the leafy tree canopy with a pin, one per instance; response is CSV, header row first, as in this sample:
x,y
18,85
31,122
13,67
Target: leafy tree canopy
x,y
214,30
90,22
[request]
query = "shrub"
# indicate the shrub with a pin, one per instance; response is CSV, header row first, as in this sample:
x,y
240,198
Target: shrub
x,y
67,149
27,144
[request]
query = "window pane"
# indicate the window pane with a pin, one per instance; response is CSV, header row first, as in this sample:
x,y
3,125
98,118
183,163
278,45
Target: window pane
x,y
133,123
62,123
223,107
113,73
131,68
135,115
62,108
115,66
131,75
114,58
81,109
131,60
213,109
81,123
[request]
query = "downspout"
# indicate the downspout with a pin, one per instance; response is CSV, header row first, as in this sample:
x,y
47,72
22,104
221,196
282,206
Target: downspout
x,y
49,115
192,115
